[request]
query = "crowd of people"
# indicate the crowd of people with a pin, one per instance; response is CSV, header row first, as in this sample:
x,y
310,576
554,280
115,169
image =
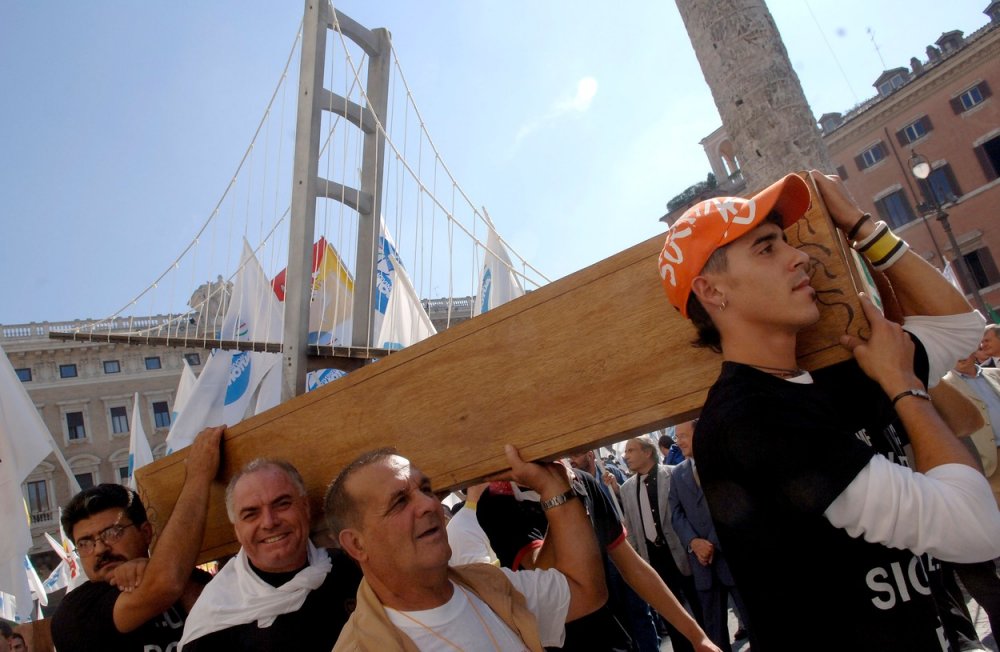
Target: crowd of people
x,y
844,501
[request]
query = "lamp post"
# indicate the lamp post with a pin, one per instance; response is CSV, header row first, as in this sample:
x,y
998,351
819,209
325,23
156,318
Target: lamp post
x,y
921,170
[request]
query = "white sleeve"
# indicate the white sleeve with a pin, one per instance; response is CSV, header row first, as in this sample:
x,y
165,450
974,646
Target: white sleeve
x,y
547,594
469,543
948,512
946,338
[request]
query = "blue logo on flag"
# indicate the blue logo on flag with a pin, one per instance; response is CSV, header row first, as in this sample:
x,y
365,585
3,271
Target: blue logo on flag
x,y
484,305
388,258
239,377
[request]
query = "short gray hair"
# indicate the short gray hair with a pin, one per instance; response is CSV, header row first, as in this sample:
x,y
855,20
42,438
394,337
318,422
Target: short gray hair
x,y
260,464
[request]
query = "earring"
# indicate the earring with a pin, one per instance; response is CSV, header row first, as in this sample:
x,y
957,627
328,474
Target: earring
x,y
723,306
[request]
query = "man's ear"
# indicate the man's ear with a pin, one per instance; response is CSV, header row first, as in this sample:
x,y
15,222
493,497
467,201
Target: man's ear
x,y
146,530
353,544
707,292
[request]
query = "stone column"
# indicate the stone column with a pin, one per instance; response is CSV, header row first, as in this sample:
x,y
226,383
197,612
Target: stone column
x,y
757,92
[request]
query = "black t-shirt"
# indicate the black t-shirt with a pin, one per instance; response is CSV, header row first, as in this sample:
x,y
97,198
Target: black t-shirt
x,y
84,621
772,455
315,626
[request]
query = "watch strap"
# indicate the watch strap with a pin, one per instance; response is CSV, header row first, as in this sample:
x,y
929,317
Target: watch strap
x,y
555,501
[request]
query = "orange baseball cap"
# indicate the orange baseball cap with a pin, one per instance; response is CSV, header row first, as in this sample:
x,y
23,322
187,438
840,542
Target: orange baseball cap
x,y
714,223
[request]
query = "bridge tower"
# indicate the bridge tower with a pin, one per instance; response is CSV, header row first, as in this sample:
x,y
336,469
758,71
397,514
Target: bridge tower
x,y
307,185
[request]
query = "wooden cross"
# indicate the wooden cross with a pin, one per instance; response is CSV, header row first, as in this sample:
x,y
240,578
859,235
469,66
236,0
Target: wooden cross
x,y
590,359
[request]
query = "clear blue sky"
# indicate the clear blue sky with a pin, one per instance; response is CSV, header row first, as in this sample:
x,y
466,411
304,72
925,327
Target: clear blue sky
x,y
123,121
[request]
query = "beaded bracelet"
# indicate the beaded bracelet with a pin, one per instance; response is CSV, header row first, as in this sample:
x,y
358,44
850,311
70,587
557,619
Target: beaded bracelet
x,y
853,233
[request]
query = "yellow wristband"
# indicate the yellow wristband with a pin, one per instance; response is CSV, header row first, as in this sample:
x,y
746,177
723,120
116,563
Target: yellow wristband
x,y
881,248
471,504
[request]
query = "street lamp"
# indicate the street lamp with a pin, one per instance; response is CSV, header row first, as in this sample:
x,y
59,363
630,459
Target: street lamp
x,y
921,169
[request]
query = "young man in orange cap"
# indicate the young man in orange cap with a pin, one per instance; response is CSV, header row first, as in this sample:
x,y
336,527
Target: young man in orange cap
x,y
821,530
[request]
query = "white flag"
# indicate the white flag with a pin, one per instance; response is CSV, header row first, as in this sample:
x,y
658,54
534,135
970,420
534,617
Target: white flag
x,y
57,579
24,442
184,389
497,284
139,453
35,582
398,318
405,321
230,379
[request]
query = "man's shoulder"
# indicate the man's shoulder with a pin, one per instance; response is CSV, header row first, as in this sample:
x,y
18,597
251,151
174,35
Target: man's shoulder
x,y
84,596
683,469
86,613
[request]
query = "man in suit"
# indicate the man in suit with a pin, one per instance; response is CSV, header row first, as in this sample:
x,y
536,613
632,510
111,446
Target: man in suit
x,y
646,507
693,523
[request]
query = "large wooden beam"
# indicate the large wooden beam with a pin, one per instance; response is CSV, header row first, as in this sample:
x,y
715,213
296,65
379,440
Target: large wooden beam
x,y
595,357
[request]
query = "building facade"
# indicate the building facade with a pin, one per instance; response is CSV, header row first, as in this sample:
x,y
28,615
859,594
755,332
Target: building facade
x,y
943,110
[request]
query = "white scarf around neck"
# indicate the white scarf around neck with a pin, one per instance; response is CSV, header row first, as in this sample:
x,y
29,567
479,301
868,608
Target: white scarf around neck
x,y
237,595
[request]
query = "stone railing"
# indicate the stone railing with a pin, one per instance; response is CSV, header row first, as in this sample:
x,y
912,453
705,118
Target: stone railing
x,y
41,330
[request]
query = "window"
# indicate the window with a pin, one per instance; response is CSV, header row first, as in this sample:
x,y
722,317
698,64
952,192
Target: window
x,y
193,359
970,98
989,157
74,426
870,156
153,362
67,371
982,267
894,209
38,500
842,172
119,420
112,367
890,85
161,414
122,474
24,374
914,131
86,480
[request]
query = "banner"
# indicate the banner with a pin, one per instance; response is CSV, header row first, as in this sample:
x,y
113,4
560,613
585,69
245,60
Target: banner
x,y
332,299
497,283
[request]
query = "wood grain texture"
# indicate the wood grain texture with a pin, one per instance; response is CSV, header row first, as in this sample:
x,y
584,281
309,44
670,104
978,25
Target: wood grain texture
x,y
592,358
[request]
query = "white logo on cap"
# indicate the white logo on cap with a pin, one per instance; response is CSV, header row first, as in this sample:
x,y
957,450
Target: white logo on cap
x,y
672,255
729,207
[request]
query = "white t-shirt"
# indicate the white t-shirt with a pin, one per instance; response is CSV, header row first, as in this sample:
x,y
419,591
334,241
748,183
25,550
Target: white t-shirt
x,y
457,622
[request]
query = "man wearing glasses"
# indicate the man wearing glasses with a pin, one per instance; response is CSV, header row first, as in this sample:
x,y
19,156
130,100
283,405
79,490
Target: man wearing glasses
x,y
109,528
